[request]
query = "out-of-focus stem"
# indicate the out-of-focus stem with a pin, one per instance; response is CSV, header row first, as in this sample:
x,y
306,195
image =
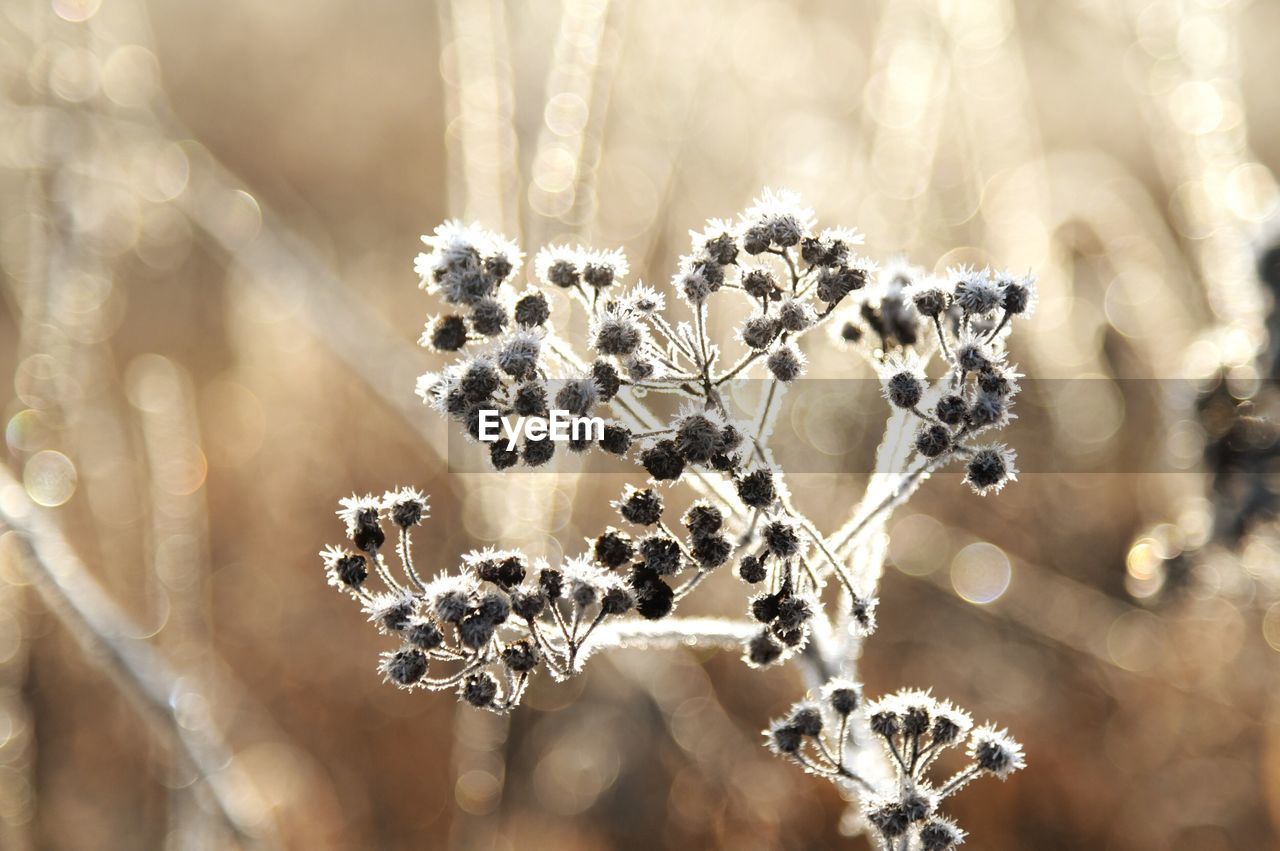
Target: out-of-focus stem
x,y
103,630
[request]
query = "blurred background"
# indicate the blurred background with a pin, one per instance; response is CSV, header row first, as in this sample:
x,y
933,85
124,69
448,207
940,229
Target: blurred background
x,y
209,214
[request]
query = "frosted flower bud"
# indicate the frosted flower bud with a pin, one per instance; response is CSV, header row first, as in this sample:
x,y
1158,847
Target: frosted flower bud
x,y
660,554
988,409
974,291
756,489
702,519
616,335
613,548
940,835
796,316
694,287
532,310
520,657
759,283
697,438
763,650
663,461
995,752
577,396
758,331
990,468
932,440
642,507
488,317
929,299
904,390
889,818
518,357
407,507
784,738
807,718
447,334
711,550
781,538
786,363
752,570
479,690
844,696
537,452
345,569
951,409
530,401
405,667
424,635
616,439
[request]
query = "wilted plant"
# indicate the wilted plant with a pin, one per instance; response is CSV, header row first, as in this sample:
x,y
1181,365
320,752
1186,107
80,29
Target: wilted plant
x,y
503,615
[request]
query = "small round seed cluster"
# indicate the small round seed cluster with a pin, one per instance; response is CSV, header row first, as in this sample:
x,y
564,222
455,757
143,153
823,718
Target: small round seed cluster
x,y
914,728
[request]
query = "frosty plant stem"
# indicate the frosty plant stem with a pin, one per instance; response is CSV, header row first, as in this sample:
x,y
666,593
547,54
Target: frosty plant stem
x,y
485,629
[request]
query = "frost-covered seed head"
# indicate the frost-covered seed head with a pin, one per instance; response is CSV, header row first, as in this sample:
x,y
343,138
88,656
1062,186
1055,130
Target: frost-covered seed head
x,y
663,461
995,752
975,293
531,400
759,283
951,409
660,554
711,550
695,287
405,667
786,363
904,390
423,635
940,835
786,738
989,409
448,334
642,507
494,608
885,723
752,570
537,452
989,469
527,604
577,396
795,316
617,336
755,240
532,310
613,548
916,807
617,600
452,606
518,357
781,538
843,696
488,317
520,657
932,440
930,300
807,718
890,819
563,274
758,331
697,438
763,650
756,489
702,519
479,690
475,631
616,439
